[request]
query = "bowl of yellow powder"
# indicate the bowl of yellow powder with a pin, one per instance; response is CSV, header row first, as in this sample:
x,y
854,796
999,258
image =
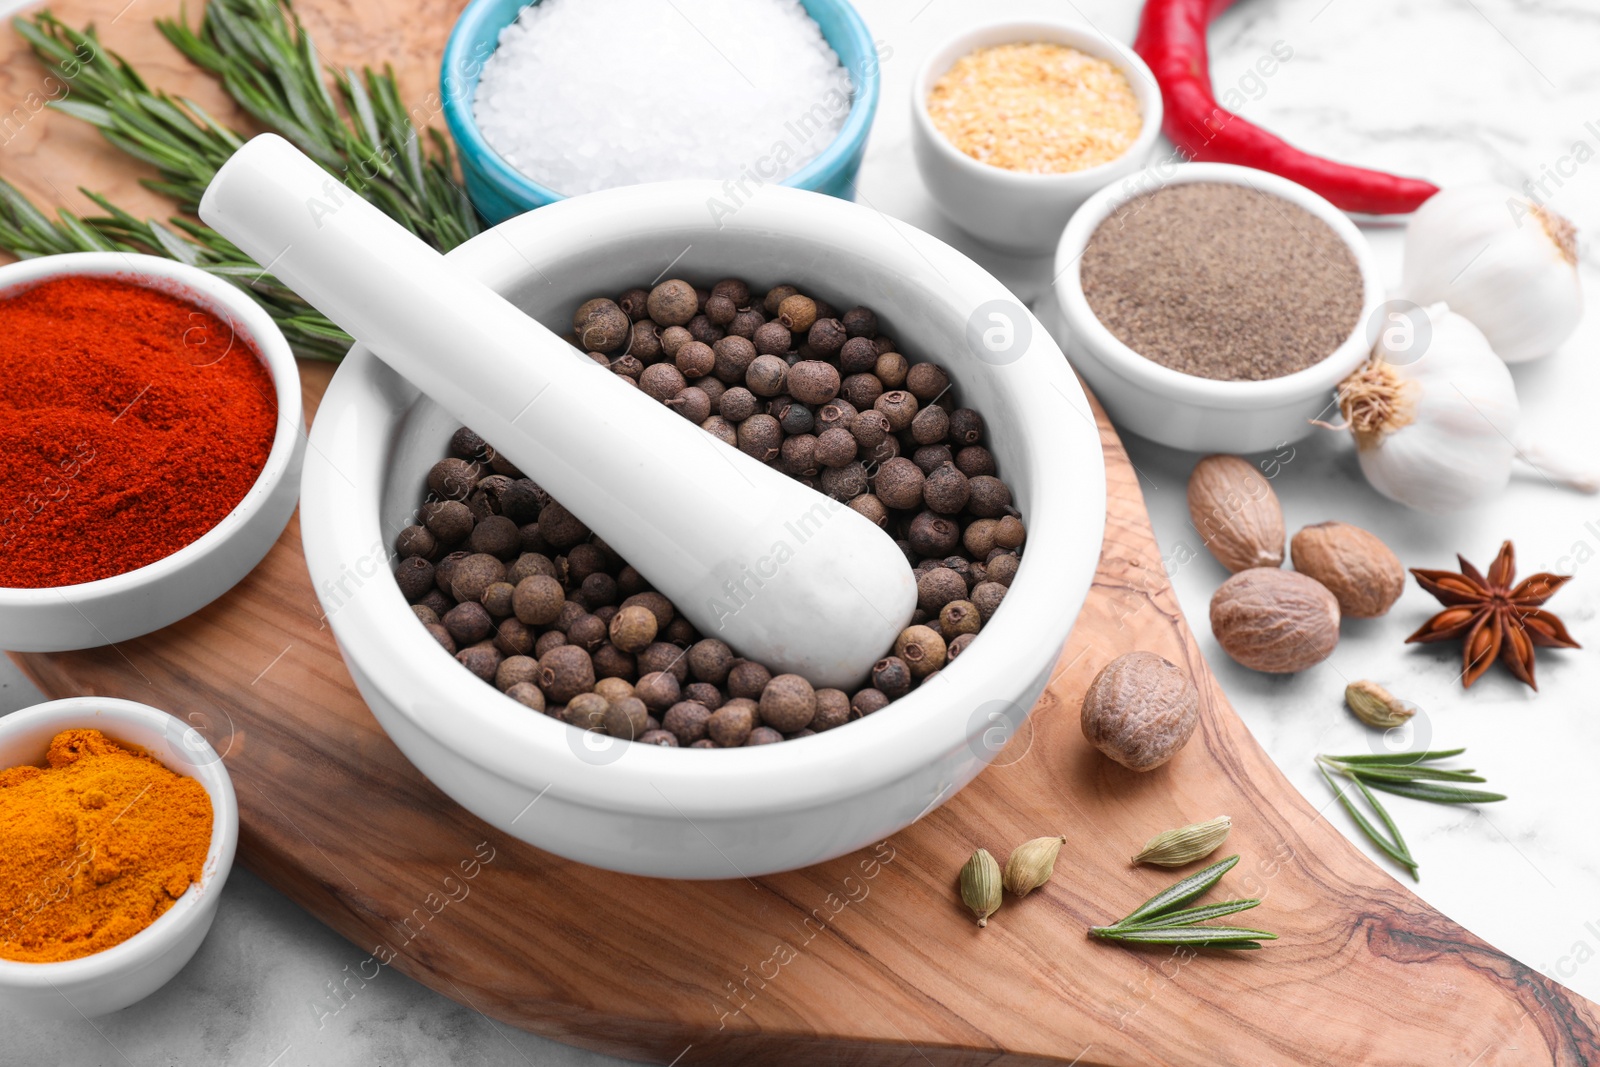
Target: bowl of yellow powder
x,y
1014,124
118,824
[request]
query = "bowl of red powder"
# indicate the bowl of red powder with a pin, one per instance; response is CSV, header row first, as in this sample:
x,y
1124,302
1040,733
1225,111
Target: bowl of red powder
x,y
151,433
120,825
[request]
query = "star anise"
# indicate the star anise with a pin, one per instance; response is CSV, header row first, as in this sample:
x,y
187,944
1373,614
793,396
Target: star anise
x,y
1494,619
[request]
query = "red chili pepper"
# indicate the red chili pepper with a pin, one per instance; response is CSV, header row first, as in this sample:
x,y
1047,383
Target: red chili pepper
x,y
1172,40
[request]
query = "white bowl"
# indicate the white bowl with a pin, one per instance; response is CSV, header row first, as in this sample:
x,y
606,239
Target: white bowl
x,y
1184,410
710,814
1022,213
147,598
122,974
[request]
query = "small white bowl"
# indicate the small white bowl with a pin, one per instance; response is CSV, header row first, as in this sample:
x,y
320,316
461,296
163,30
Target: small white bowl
x,y
147,598
123,974
1184,410
1022,213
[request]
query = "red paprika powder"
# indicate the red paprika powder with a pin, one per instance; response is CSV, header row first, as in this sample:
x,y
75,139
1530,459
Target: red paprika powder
x,y
131,422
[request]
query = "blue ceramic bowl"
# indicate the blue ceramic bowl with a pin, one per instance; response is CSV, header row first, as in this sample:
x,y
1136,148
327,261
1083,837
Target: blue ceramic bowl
x,y
499,191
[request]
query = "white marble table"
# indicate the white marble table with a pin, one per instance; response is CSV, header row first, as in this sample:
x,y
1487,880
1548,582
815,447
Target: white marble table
x,y
1456,90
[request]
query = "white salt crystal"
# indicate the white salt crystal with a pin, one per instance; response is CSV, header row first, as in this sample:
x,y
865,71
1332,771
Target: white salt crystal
x,y
583,95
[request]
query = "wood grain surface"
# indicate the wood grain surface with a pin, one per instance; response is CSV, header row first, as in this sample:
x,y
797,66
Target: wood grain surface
x,y
868,959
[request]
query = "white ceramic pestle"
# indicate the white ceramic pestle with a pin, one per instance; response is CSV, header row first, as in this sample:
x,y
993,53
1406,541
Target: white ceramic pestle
x,y
786,576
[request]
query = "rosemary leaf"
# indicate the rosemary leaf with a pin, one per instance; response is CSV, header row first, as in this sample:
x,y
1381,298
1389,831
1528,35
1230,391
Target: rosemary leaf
x,y
1397,757
1395,850
1438,794
1180,892
1180,935
1387,773
1190,916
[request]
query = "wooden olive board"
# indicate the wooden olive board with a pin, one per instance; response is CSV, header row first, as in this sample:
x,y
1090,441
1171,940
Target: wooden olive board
x,y
867,959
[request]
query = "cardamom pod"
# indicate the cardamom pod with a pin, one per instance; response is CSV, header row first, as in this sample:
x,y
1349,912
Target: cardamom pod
x,y
980,885
1174,848
1031,864
1373,705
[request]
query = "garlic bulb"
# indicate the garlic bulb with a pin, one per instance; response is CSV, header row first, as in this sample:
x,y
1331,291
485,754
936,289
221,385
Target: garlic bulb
x,y
1435,433
1506,263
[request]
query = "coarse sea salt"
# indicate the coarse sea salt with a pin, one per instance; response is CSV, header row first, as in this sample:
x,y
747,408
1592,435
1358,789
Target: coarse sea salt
x,y
583,95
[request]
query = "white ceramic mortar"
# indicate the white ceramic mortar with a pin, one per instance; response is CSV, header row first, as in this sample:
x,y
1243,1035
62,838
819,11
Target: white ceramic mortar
x,y
727,813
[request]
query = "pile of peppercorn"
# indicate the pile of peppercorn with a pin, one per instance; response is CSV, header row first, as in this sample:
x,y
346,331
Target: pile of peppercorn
x,y
529,600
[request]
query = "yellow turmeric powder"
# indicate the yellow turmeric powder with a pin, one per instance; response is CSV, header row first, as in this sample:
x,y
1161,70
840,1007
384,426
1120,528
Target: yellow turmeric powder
x,y
93,847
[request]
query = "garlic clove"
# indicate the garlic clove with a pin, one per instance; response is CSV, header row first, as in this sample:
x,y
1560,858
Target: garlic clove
x,y
1435,433
1505,263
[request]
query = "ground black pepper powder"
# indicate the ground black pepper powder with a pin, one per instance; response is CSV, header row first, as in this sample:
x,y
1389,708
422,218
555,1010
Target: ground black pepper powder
x,y
1222,281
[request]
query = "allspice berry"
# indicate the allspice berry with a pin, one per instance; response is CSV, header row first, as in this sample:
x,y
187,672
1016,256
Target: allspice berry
x,y
495,536
659,690
448,520
528,695
922,649
867,701
416,541
771,339
926,381
414,576
860,322
813,381
662,381
775,298
833,709
1140,710
946,490
989,497
898,483
600,325
587,711
797,313
748,679
986,597
695,360
730,725
710,660
937,587
763,735
835,447
958,617
497,599
767,376
633,629
760,437
898,406
537,600
891,676
565,672
467,623
788,703
516,670
453,479
687,721
673,303
474,574
481,660
626,719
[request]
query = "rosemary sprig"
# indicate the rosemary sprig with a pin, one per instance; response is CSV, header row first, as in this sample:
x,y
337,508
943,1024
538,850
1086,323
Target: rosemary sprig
x,y
360,131
1406,774
1162,920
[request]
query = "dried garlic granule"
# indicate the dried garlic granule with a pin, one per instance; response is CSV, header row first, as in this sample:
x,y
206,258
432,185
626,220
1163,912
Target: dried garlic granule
x,y
1038,108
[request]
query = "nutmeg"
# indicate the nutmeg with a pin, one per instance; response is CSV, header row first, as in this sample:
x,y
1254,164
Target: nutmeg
x,y
1362,573
1274,620
1236,513
1140,710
